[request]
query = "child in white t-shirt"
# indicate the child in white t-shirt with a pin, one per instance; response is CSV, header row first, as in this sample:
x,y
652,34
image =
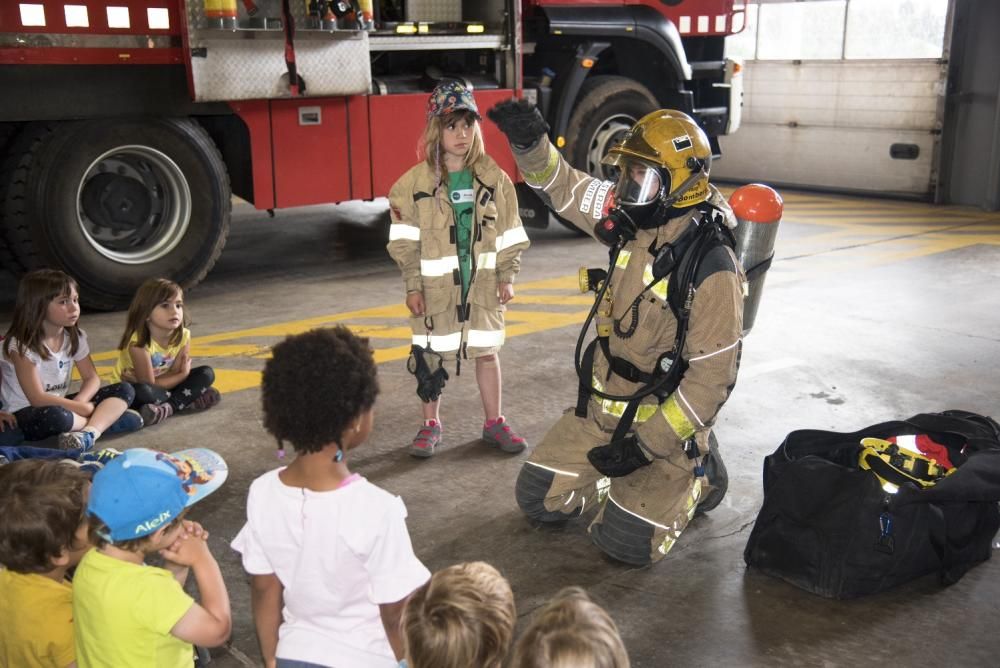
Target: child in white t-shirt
x,y
328,552
40,349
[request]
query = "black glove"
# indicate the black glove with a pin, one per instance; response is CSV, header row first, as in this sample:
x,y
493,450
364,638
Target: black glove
x,y
618,458
520,121
429,382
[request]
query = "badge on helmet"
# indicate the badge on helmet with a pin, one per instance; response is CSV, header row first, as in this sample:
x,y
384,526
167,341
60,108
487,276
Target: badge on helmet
x,y
664,151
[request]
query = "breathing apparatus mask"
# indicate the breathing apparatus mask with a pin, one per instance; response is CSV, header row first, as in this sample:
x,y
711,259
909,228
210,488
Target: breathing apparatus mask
x,y
663,163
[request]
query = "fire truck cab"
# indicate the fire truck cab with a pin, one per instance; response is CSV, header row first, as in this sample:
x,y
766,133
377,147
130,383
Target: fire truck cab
x,y
126,126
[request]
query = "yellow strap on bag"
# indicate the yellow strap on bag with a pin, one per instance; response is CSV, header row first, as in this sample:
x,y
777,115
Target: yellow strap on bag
x,y
894,465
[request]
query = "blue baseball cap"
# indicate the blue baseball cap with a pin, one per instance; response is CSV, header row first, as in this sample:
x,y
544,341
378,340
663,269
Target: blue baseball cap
x,y
142,490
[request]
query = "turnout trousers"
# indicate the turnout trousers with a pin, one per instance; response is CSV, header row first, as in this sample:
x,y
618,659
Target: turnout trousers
x,y
640,516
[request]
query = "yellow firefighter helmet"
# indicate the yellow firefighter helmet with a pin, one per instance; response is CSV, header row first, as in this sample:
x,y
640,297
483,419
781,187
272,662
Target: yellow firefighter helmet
x,y
672,143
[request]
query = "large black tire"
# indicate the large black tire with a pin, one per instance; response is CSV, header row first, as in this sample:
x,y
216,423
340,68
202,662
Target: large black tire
x,y
608,106
113,204
7,133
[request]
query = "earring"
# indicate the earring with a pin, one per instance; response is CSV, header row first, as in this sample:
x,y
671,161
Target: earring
x,y
357,427
339,457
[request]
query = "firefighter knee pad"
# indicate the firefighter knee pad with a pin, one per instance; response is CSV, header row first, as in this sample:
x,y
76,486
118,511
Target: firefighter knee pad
x,y
533,485
718,477
623,536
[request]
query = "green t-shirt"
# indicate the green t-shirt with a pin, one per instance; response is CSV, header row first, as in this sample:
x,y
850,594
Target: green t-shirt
x,y
461,196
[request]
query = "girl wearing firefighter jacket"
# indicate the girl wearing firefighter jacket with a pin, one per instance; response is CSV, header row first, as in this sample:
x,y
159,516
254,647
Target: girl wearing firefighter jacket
x,y
456,235
646,464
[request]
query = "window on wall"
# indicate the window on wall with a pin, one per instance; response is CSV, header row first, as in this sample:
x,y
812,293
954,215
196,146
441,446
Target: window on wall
x,y
895,28
801,30
744,44
841,29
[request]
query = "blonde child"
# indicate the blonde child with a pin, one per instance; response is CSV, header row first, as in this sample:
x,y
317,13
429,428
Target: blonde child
x,y
328,553
43,533
154,355
571,631
37,357
127,613
456,235
464,616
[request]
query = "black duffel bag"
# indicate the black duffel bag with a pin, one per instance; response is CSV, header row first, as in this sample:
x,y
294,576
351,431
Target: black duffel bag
x,y
829,526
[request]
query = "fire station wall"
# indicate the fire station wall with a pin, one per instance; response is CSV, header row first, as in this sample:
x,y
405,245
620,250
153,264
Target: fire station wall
x,y
970,166
830,124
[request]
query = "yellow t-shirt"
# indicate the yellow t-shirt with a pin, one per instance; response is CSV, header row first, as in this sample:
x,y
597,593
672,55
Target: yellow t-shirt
x,y
161,357
37,627
124,612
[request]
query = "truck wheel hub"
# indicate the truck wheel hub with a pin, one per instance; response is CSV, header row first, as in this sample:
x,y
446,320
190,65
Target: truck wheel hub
x,y
134,204
116,202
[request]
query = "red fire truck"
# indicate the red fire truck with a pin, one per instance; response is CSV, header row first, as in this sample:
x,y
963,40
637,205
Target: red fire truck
x,y
126,126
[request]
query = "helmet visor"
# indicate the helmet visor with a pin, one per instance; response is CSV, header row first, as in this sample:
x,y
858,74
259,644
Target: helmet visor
x,y
638,183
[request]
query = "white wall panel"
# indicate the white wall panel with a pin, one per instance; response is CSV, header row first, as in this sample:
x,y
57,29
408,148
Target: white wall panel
x,y
831,123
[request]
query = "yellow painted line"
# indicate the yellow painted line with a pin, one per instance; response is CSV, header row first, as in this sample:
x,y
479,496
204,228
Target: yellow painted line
x,y
561,300
254,344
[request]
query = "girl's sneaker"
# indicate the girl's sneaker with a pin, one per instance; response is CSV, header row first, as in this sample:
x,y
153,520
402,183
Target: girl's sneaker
x,y
206,399
154,413
77,440
129,421
499,434
428,438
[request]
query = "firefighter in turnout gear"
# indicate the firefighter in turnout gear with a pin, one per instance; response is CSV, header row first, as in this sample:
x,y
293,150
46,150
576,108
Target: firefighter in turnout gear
x,y
639,447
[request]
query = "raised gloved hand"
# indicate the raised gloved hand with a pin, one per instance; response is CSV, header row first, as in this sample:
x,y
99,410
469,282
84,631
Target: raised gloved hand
x,y
520,120
619,458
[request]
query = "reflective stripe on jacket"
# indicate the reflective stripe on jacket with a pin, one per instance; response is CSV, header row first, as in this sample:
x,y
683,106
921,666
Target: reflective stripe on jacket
x,y
422,241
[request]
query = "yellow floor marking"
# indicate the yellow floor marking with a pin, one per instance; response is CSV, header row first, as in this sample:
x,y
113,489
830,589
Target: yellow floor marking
x,y
254,343
233,380
850,222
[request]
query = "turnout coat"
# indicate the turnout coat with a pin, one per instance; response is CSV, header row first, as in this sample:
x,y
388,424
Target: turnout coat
x,y
423,242
641,514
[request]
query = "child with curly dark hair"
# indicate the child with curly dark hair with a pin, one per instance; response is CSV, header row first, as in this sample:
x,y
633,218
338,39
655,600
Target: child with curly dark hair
x,y
328,552
43,533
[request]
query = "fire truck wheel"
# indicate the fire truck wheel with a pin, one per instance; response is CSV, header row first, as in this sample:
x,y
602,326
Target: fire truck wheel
x,y
608,107
116,203
8,131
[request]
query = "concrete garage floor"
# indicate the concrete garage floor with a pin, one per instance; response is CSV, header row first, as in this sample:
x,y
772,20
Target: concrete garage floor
x,y
874,310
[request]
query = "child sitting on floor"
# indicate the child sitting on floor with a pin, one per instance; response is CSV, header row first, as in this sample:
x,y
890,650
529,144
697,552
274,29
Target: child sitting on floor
x,y
43,533
39,352
128,613
154,355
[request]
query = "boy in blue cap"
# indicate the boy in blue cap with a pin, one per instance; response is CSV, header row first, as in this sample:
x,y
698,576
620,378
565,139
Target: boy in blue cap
x,y
130,614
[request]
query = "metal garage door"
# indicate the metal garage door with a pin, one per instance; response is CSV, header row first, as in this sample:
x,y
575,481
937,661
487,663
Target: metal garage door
x,y
840,94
